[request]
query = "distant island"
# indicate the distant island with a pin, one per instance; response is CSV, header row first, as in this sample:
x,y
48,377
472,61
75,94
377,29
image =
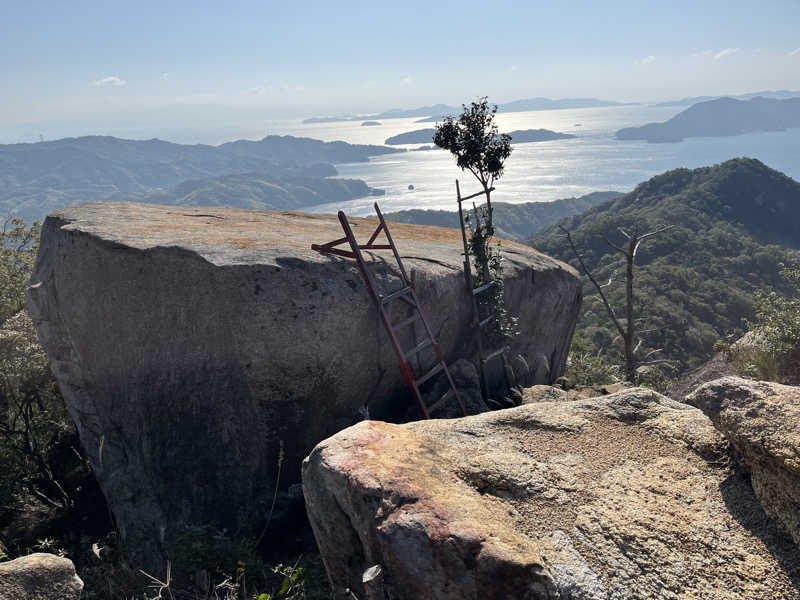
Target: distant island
x,y
720,118
520,136
419,136
775,95
370,123
437,112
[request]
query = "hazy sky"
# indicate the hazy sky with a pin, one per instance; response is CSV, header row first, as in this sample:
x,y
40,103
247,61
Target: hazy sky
x,y
97,65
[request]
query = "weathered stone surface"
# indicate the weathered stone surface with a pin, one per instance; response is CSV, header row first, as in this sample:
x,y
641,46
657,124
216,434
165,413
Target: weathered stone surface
x,y
544,393
547,393
762,422
188,342
39,577
628,496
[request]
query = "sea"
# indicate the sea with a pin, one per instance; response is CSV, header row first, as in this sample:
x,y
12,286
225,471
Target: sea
x,y
538,171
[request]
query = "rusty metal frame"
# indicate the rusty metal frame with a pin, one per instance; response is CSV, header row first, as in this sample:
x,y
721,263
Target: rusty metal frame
x,y
407,294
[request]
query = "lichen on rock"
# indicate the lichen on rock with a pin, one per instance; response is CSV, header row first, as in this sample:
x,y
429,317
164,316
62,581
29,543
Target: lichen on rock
x,y
624,496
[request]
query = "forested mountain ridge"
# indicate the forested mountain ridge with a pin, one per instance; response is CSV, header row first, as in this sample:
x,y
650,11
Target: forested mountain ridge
x,y
733,224
38,178
254,191
511,221
719,118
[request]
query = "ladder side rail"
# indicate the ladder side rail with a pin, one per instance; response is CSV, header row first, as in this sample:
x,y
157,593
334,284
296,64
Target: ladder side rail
x,y
406,281
438,351
405,367
470,289
467,267
366,274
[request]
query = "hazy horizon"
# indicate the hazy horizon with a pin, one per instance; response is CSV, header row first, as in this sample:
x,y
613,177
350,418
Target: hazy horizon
x,y
90,68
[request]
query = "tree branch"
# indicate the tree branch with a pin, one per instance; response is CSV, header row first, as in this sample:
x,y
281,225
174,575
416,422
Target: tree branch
x,y
594,281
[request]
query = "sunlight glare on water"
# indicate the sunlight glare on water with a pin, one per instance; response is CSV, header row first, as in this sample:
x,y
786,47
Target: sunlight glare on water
x,y
540,171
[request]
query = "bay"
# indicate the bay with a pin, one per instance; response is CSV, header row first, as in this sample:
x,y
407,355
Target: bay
x,y
541,171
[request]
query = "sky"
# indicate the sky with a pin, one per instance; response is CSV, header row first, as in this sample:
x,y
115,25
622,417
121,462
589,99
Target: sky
x,y
82,67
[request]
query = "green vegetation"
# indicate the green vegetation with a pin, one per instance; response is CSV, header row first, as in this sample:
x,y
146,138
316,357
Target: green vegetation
x,y
511,221
771,348
474,140
733,226
36,179
588,366
777,320
478,146
37,439
257,192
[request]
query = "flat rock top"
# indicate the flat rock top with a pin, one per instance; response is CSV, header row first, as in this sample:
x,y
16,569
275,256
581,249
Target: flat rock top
x,y
229,236
625,496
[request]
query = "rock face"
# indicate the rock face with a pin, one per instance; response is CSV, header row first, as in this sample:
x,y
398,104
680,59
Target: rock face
x,y
762,422
39,577
190,342
621,497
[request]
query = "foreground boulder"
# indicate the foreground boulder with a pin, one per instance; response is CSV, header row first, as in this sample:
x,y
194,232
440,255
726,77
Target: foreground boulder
x,y
39,576
191,344
762,422
621,497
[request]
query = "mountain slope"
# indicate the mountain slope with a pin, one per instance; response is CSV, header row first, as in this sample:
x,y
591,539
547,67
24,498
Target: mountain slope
x,y
733,224
256,192
511,221
719,118
38,178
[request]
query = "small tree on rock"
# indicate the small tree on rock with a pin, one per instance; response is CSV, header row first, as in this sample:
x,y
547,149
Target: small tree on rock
x,y
478,146
473,138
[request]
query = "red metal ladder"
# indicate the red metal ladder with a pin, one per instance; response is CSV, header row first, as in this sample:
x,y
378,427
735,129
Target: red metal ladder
x,y
405,293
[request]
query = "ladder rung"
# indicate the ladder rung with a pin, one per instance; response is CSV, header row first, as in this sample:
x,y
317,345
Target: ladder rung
x,y
430,374
483,288
441,401
487,319
495,354
396,294
421,346
408,321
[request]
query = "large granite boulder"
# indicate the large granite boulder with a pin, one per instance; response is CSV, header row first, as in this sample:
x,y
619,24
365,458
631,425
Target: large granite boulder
x,y
762,422
190,343
39,576
628,496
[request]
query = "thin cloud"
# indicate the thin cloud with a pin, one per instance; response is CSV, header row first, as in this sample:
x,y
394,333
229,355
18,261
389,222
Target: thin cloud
x,y
260,90
165,75
794,52
112,81
646,60
725,52
408,80
703,54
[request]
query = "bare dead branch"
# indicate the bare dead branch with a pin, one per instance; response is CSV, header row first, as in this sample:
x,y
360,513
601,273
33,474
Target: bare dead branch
x,y
614,246
594,281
